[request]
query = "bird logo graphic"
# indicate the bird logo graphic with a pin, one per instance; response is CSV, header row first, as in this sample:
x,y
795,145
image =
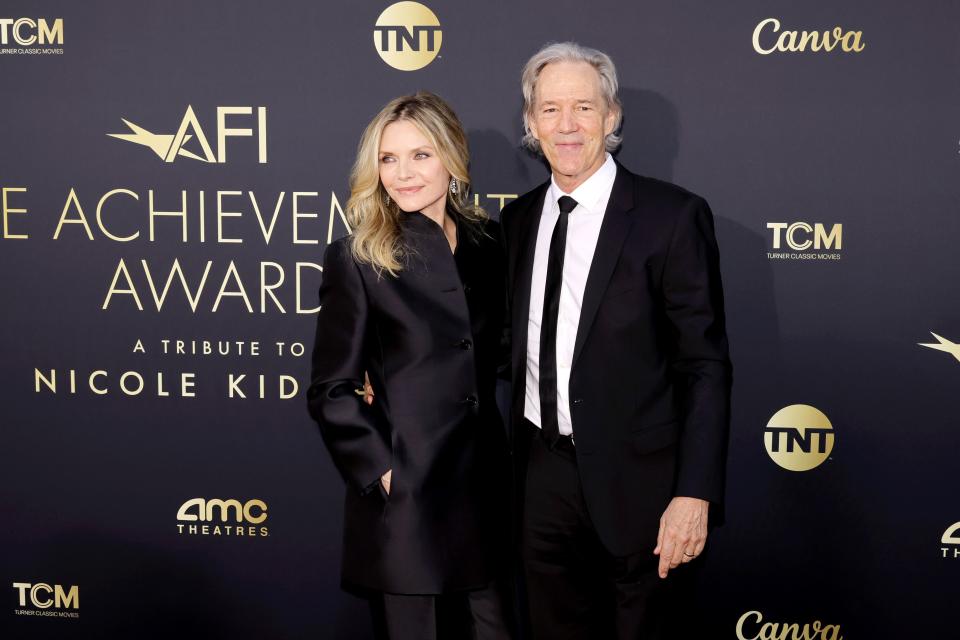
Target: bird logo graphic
x,y
943,344
161,143
170,145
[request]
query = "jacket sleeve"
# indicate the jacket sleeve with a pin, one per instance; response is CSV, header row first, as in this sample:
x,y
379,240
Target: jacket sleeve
x,y
356,434
701,365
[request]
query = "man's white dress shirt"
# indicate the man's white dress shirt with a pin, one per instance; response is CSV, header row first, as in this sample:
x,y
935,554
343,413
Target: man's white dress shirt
x,y
583,230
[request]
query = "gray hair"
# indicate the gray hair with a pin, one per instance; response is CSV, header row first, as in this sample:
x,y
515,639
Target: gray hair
x,y
570,52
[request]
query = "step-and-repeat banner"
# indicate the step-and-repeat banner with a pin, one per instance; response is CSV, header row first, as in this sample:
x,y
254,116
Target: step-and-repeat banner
x,y
171,173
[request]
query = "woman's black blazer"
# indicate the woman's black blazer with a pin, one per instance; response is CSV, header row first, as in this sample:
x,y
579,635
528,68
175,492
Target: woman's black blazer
x,y
430,341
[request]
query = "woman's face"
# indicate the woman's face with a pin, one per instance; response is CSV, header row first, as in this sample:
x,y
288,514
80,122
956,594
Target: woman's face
x,y
410,170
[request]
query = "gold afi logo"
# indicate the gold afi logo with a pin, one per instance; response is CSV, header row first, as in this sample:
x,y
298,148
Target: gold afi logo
x,y
799,437
942,344
407,36
170,146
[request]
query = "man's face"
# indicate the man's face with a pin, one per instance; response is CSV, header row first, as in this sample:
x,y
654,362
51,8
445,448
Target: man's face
x,y
571,119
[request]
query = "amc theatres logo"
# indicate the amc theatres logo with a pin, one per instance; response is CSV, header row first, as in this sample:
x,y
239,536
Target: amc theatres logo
x,y
223,517
951,541
170,146
407,36
42,599
805,241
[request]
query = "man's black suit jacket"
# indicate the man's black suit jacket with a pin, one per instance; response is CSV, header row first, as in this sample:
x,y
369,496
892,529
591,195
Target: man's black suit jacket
x,y
650,383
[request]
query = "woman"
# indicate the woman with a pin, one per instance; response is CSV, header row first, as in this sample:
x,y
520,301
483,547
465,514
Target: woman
x,y
414,298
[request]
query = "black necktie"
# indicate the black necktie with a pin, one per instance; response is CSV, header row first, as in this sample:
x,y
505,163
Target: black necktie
x,y
548,327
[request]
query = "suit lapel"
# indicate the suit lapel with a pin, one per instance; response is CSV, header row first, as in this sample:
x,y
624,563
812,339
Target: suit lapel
x,y
613,231
528,226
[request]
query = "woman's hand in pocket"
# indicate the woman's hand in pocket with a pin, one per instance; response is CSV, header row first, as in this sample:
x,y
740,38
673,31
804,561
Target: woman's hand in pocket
x,y
385,480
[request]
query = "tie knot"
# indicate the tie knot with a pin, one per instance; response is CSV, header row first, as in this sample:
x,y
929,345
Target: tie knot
x,y
567,204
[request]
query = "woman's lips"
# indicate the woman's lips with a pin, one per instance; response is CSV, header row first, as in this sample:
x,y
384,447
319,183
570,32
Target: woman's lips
x,y
408,190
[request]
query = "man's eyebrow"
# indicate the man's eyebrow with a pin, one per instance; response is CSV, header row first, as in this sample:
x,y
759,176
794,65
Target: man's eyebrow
x,y
577,100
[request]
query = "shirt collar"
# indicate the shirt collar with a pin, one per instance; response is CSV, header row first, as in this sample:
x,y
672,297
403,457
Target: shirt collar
x,y
595,189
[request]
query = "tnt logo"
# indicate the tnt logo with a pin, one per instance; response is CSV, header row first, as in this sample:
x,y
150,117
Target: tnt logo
x,y
407,36
800,236
170,146
27,32
799,437
43,596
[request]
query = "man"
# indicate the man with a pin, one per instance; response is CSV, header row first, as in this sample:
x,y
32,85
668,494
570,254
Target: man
x,y
621,375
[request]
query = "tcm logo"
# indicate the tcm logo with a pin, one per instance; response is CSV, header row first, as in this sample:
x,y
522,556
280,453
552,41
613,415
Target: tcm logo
x,y
228,517
749,627
168,146
795,41
951,541
27,32
407,36
799,437
42,597
942,344
799,237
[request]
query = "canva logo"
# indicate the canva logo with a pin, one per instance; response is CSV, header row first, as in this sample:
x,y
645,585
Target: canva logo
x,y
749,627
407,36
951,541
799,437
27,32
798,41
45,600
223,517
170,146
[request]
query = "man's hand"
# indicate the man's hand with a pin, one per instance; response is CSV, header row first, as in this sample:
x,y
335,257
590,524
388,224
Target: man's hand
x,y
683,532
385,480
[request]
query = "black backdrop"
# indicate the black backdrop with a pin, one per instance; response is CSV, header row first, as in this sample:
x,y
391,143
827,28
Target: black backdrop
x,y
93,483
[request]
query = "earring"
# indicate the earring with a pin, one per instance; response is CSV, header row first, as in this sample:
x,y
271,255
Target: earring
x,y
454,186
386,199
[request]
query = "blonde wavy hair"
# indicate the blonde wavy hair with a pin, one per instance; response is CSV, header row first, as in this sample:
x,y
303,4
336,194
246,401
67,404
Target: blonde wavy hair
x,y
373,217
